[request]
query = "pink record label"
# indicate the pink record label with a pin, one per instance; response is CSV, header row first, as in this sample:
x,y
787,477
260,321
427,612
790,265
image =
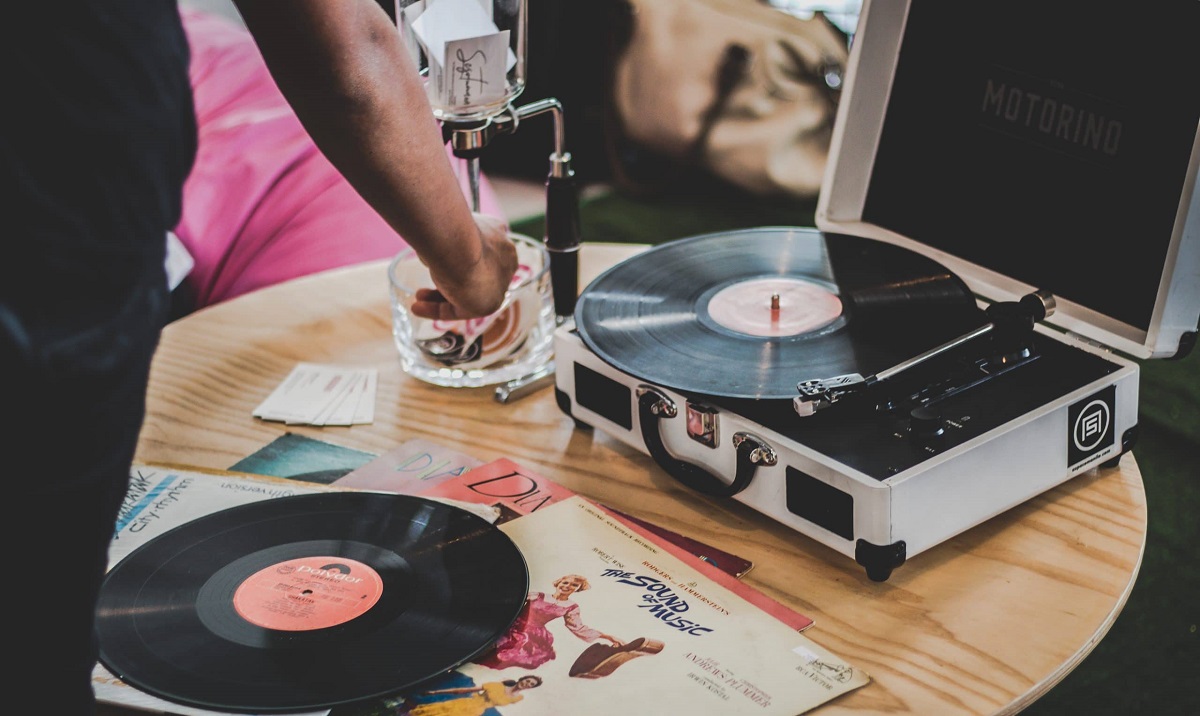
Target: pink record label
x,y
308,593
774,307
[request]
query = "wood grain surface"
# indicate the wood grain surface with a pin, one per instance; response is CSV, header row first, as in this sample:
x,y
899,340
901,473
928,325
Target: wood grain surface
x,y
983,623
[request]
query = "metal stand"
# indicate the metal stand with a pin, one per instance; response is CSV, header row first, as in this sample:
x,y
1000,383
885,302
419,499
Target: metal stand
x,y
467,140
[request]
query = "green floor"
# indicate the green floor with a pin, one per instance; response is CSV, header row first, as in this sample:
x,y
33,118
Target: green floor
x,y
1149,663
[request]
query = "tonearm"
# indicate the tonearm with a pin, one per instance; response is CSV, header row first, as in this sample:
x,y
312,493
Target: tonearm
x,y
1008,322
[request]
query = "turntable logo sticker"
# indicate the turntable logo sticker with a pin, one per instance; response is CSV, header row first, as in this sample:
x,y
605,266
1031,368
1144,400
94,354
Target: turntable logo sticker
x,y
1091,424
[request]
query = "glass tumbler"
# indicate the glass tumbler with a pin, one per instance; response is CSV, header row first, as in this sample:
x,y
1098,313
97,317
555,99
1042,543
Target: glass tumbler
x,y
515,341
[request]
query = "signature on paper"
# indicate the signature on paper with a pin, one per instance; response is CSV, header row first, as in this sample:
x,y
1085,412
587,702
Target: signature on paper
x,y
463,69
840,673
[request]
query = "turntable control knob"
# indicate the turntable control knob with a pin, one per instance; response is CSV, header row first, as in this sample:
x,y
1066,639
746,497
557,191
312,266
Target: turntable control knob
x,y
925,424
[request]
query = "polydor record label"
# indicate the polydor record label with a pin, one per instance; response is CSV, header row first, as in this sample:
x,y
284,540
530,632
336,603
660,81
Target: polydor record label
x,y
308,593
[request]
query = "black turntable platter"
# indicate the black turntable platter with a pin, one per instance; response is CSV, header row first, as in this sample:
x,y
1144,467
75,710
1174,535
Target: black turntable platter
x,y
750,313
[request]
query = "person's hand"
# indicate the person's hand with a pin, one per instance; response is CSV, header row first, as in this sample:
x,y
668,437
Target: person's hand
x,y
472,291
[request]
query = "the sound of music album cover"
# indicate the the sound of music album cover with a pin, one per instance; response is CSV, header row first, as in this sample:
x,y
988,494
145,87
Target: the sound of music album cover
x,y
614,624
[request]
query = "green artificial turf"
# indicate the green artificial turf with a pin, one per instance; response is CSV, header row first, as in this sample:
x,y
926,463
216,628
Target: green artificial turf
x,y
1149,663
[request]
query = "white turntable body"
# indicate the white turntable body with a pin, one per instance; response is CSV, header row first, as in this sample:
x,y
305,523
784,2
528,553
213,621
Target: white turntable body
x,y
880,523
1104,220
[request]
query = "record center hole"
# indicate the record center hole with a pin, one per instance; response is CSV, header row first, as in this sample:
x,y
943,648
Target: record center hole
x,y
774,306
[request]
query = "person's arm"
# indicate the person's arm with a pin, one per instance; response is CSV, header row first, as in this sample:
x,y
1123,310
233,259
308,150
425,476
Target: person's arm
x,y
345,71
573,620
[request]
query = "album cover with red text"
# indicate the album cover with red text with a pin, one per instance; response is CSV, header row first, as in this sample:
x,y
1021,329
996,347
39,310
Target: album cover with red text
x,y
418,466
518,491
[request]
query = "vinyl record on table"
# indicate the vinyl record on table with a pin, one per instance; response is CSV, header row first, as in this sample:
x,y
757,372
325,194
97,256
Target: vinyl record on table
x,y
307,602
750,313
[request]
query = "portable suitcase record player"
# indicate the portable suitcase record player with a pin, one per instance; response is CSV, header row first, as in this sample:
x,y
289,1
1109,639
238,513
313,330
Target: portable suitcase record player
x,y
1009,219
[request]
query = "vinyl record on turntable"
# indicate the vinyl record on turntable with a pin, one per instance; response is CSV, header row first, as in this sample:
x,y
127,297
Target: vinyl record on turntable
x,y
750,313
308,602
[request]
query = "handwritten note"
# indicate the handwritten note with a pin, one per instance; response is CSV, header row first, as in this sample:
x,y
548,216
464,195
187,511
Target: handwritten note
x,y
469,57
476,74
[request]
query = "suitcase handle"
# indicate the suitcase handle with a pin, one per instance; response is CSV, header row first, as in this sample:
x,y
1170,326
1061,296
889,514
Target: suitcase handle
x,y
751,451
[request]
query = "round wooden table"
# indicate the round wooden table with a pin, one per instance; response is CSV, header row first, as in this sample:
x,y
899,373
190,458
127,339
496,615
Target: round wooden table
x,y
985,622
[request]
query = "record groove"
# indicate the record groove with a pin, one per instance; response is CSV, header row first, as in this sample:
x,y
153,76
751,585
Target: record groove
x,y
253,609
650,316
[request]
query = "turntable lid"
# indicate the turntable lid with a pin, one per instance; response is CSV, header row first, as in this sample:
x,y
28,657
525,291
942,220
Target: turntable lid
x,y
1025,153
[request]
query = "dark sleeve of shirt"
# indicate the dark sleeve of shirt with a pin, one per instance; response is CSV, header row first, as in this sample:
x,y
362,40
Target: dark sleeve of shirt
x,y
96,140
